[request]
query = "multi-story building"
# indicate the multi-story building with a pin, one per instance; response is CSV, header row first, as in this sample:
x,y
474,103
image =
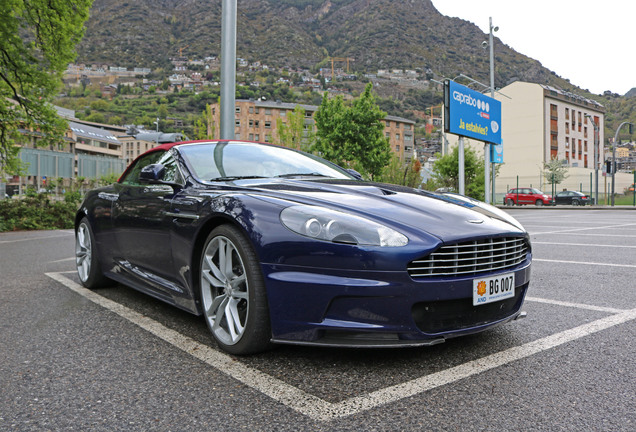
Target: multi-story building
x,y
540,123
257,120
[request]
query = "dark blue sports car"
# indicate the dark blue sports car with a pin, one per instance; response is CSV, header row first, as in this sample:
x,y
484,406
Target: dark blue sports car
x,y
272,245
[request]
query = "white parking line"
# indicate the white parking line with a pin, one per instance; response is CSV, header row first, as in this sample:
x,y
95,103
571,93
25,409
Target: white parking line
x,y
583,263
583,244
319,409
39,238
584,229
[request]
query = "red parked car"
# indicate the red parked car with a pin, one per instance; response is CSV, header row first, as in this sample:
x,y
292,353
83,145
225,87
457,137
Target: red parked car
x,y
521,196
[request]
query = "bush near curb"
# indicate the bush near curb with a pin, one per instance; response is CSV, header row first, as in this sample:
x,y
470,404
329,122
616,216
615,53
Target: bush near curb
x,y
38,212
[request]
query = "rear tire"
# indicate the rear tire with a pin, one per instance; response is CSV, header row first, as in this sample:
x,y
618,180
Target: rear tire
x,y
232,293
89,268
538,203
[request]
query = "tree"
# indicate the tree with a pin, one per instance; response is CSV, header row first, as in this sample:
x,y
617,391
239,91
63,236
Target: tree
x,y
37,42
446,172
353,136
292,133
204,126
555,172
401,173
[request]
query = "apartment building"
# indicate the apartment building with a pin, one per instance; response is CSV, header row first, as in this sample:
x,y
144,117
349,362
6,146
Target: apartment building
x,y
256,120
540,123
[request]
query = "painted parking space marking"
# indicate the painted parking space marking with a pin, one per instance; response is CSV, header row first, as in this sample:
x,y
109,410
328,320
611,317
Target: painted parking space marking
x,y
584,244
319,409
622,226
583,263
39,237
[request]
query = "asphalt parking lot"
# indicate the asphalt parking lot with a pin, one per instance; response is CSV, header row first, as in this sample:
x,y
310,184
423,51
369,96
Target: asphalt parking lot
x,y
114,359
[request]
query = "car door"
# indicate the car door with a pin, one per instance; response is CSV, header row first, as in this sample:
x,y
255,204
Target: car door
x,y
142,226
525,196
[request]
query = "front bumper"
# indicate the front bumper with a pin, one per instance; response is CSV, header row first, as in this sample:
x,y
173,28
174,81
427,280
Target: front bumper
x,y
310,306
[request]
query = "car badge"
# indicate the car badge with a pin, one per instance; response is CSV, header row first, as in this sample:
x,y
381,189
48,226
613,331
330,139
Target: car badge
x,y
475,221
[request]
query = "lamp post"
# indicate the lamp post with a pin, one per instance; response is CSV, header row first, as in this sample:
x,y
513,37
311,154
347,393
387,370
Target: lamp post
x,y
595,158
614,154
157,129
228,68
487,163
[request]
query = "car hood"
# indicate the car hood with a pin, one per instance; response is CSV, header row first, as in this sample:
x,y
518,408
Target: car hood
x,y
446,216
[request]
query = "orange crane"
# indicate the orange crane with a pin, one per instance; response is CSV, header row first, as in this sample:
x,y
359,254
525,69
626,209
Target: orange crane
x,y
335,59
181,50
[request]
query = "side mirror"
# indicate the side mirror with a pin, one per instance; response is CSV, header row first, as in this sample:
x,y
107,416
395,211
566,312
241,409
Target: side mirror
x,y
152,173
354,173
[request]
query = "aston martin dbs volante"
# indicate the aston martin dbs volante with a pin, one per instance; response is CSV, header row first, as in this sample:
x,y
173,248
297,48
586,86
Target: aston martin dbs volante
x,y
273,245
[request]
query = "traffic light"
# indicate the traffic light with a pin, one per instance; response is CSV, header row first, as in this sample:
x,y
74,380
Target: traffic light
x,y
608,167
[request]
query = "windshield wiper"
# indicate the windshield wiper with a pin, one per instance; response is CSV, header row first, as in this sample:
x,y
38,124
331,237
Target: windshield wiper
x,y
313,174
232,178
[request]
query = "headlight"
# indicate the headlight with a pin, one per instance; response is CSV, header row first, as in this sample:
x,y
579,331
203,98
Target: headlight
x,y
338,227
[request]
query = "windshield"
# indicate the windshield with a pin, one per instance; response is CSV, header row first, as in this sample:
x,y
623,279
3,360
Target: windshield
x,y
227,161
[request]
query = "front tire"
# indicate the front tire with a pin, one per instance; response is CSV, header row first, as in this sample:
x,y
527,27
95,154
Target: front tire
x,y
233,293
89,268
510,202
575,203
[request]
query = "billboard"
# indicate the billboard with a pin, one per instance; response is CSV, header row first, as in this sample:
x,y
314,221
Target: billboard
x,y
471,114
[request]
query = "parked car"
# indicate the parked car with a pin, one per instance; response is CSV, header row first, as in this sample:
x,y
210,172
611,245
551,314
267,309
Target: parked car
x,y
574,198
630,188
272,245
521,196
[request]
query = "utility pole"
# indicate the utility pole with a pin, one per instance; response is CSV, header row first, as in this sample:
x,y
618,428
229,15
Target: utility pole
x,y
228,68
614,154
596,161
487,161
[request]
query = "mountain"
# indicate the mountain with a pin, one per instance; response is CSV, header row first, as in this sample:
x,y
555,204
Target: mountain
x,y
377,34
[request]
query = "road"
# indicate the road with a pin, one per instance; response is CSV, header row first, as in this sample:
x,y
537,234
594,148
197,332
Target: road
x,y
116,360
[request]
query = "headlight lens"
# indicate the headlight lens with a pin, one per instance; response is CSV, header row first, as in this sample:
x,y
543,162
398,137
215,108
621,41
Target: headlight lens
x,y
338,227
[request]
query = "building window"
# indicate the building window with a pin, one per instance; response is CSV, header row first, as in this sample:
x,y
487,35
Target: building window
x,y
251,137
237,123
408,137
237,109
397,148
387,134
397,136
256,110
256,123
268,125
567,142
251,110
567,113
268,111
257,137
251,123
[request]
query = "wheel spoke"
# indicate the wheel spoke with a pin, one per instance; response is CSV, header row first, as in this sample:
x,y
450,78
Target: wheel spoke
x,y
233,320
219,314
237,281
218,274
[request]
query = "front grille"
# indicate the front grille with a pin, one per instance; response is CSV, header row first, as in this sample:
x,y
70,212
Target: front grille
x,y
472,257
449,315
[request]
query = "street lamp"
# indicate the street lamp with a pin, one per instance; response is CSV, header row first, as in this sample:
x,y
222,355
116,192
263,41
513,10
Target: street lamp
x,y
487,163
157,129
595,157
614,154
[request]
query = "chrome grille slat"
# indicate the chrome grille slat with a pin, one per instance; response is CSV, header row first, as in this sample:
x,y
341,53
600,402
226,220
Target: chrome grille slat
x,y
479,256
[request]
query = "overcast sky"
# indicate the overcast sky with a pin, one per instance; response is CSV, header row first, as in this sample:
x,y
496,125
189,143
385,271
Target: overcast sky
x,y
592,43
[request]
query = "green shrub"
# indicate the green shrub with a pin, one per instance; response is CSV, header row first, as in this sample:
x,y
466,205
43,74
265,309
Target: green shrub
x,y
38,212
